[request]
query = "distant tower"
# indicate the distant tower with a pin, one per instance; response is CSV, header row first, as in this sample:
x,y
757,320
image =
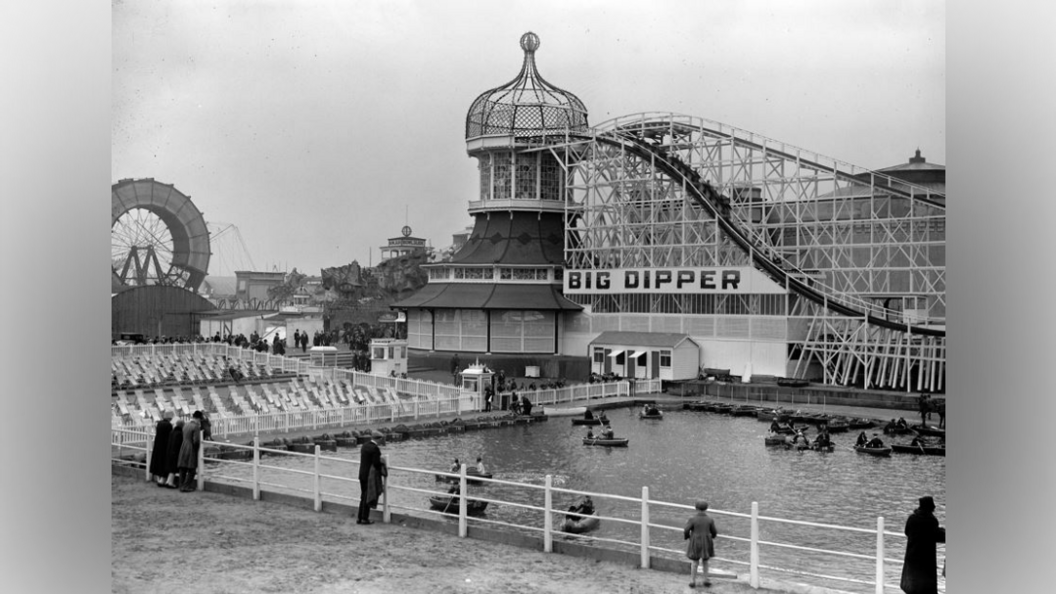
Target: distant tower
x,y
501,291
404,245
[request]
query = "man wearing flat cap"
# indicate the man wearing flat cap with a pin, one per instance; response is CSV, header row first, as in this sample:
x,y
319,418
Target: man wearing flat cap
x,y
919,571
701,533
369,459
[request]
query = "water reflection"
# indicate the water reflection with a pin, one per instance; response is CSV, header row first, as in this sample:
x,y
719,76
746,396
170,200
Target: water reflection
x,y
685,457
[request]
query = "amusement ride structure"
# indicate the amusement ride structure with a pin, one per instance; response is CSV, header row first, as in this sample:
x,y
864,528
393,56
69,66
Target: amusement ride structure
x,y
861,254
157,236
849,263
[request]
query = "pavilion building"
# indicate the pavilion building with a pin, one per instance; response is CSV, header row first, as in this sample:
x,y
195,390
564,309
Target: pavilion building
x,y
501,291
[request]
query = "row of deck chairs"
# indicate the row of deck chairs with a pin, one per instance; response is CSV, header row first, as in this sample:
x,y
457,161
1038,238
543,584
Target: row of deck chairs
x,y
167,369
296,394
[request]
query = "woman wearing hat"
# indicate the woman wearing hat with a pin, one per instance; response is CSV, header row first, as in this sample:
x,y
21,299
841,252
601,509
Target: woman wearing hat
x,y
700,532
922,533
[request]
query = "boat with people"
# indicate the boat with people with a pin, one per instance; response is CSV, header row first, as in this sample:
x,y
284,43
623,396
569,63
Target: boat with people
x,y
883,452
471,474
893,429
576,525
919,449
775,440
612,442
591,421
650,411
838,425
449,504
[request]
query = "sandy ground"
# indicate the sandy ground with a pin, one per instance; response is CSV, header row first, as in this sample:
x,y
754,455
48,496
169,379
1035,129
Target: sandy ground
x,y
166,541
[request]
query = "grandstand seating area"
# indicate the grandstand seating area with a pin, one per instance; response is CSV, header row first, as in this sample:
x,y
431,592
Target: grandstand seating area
x,y
141,372
145,405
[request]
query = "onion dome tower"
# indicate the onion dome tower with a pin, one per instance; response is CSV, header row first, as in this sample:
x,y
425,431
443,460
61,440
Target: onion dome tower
x,y
501,291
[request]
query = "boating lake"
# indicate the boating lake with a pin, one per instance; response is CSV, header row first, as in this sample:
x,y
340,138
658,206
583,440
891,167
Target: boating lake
x,y
684,457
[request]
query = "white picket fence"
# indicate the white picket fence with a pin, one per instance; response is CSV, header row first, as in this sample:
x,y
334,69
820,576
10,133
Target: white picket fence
x,y
346,488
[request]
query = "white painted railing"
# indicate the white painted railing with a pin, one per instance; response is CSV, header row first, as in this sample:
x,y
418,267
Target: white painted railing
x,y
296,420
310,482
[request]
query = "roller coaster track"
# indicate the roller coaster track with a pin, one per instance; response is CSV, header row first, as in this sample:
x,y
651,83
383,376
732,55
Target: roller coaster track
x,y
718,206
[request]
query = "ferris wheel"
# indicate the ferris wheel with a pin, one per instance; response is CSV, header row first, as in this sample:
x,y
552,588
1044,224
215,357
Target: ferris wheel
x,y
157,236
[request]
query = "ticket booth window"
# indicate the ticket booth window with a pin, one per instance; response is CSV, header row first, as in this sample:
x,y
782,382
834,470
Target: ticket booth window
x,y
665,358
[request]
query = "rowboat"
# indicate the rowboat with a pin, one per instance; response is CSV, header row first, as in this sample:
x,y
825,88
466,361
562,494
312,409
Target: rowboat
x,y
896,430
659,416
471,473
578,525
775,441
929,430
615,442
883,452
860,423
552,411
582,421
922,450
449,504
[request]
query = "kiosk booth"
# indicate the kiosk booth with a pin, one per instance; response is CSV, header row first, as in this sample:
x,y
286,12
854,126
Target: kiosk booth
x,y
323,356
476,378
388,356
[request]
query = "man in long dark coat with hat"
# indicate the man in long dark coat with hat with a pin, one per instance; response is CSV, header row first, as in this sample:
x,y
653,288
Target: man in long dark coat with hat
x,y
920,569
188,460
159,459
370,467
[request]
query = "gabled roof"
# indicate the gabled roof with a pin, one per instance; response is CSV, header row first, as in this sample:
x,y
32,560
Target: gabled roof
x,y
642,339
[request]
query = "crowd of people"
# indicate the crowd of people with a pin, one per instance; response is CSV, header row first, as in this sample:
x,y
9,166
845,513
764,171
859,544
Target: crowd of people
x,y
174,457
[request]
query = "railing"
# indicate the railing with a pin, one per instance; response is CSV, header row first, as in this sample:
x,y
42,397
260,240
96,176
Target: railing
x,y
296,420
587,392
538,503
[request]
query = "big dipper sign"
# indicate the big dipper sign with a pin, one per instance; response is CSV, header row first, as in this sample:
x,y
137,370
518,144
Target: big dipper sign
x,y
669,280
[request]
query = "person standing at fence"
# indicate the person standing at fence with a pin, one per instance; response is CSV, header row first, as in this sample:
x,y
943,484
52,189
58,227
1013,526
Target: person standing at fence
x,y
369,460
188,461
700,532
921,565
173,454
159,459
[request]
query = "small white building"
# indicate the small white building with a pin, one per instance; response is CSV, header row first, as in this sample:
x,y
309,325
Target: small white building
x,y
645,355
388,356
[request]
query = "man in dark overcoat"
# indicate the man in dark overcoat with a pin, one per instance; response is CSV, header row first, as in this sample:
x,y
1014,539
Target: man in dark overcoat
x,y
920,569
369,458
159,460
188,461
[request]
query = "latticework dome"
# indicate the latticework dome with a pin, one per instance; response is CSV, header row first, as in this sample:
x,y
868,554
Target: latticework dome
x,y
527,105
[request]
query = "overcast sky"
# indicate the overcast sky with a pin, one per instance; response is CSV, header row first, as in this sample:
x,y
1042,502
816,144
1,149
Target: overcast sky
x,y
318,127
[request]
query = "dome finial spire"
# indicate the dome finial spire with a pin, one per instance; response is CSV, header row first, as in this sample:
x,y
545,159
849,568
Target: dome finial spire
x,y
529,42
